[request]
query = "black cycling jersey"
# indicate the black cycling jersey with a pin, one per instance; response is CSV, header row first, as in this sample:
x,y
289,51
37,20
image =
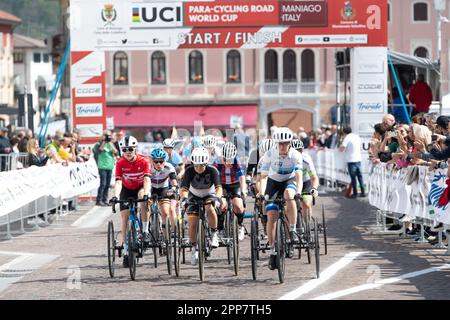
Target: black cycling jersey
x,y
201,185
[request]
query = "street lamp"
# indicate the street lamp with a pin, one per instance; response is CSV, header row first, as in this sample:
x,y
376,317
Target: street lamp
x,y
439,5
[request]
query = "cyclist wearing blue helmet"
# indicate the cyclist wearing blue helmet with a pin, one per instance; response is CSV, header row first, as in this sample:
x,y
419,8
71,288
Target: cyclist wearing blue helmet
x,y
196,142
163,173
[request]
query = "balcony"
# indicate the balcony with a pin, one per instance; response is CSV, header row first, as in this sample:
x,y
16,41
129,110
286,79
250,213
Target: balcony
x,y
290,89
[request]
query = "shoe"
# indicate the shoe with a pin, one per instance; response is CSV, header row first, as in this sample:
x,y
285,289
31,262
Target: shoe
x,y
147,238
353,196
98,203
214,240
293,237
241,233
194,257
363,195
395,227
438,227
290,251
125,263
104,203
272,261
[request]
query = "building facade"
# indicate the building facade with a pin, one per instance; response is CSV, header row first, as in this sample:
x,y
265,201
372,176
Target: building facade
x,y
7,24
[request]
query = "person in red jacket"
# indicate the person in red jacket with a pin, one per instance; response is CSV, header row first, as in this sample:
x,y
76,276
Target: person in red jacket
x,y
420,94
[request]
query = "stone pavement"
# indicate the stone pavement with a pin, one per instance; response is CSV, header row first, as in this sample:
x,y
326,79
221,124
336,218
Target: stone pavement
x,y
70,262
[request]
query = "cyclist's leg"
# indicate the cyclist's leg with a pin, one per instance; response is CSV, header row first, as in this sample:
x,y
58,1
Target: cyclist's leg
x,y
164,207
192,213
211,212
291,212
272,209
307,205
145,214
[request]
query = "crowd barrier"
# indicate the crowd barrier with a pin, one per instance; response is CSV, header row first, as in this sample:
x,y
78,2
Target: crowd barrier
x,y
35,191
420,194
13,161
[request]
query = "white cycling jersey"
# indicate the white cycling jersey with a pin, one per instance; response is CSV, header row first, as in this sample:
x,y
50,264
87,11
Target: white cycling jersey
x,y
281,168
160,179
309,170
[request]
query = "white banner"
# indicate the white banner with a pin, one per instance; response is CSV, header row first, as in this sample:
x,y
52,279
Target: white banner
x,y
20,187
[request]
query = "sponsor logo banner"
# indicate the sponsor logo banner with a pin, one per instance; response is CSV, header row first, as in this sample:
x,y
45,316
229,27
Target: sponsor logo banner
x,y
370,107
89,90
90,130
89,110
156,15
371,87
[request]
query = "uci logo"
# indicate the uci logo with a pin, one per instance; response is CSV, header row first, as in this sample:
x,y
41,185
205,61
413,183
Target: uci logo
x,y
158,15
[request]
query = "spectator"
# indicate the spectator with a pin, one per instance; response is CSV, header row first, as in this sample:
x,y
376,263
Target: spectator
x,y
242,143
68,147
5,148
420,94
54,150
24,142
331,141
15,144
36,156
352,148
389,121
104,153
118,137
375,142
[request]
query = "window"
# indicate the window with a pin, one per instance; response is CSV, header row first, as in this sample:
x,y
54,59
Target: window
x,y
46,58
271,66
421,52
233,67
120,68
37,57
389,12
289,66
308,66
195,67
158,68
420,11
18,57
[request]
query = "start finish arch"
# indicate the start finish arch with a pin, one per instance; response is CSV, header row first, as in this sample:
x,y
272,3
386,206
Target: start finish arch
x,y
98,26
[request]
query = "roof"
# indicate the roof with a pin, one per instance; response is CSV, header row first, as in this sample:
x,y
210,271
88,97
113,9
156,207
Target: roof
x,y
8,17
21,41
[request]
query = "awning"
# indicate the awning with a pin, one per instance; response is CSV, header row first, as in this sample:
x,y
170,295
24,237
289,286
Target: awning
x,y
401,58
182,116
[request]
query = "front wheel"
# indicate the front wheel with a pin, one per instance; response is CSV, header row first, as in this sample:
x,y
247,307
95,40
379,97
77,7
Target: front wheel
x,y
280,247
317,248
167,236
235,244
132,249
111,249
177,247
201,248
254,247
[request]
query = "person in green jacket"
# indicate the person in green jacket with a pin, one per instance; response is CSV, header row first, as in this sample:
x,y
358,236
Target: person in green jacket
x,y
104,153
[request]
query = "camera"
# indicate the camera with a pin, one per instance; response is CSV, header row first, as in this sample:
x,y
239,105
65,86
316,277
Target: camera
x,y
107,138
433,137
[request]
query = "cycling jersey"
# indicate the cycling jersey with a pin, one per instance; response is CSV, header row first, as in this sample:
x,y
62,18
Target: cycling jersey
x,y
175,159
309,170
281,168
132,173
215,155
229,174
160,179
201,184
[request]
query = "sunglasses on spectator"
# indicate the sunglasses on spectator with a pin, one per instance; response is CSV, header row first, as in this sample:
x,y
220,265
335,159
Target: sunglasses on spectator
x,y
158,161
130,149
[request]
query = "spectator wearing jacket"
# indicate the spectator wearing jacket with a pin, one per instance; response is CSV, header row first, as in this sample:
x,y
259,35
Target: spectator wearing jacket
x,y
420,94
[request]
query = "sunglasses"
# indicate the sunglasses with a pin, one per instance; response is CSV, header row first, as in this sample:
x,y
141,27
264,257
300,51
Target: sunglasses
x,y
199,165
158,161
130,149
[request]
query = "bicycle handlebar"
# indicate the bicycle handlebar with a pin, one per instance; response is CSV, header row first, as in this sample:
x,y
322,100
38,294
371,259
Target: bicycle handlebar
x,y
129,200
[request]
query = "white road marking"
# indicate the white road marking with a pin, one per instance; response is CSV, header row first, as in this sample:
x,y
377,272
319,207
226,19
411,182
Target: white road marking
x,y
93,218
324,276
19,267
379,283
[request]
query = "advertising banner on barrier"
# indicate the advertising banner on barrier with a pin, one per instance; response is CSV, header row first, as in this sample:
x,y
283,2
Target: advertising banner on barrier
x,y
27,185
144,25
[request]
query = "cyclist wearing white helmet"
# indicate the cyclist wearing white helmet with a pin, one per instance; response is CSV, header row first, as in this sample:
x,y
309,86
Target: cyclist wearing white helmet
x,y
310,178
233,182
200,181
173,157
210,143
132,181
281,173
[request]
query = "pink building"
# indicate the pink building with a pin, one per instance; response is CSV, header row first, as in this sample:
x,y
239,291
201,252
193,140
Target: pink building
x,y
285,87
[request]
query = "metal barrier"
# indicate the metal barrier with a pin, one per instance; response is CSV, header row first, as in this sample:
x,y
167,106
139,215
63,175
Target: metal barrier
x,y
13,161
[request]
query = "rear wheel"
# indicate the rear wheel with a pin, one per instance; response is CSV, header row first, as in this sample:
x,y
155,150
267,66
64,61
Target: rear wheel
x,y
317,248
308,238
324,231
132,249
228,233
254,247
111,249
281,249
235,244
201,248
167,240
176,247
154,229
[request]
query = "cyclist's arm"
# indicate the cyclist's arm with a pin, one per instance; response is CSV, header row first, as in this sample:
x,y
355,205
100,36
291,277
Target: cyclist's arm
x,y
182,170
299,181
147,185
217,183
315,182
243,184
117,188
219,191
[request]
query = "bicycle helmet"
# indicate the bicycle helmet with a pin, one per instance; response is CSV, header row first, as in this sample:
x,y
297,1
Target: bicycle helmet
x,y
265,145
200,156
209,141
297,144
229,151
128,141
282,135
158,154
169,143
